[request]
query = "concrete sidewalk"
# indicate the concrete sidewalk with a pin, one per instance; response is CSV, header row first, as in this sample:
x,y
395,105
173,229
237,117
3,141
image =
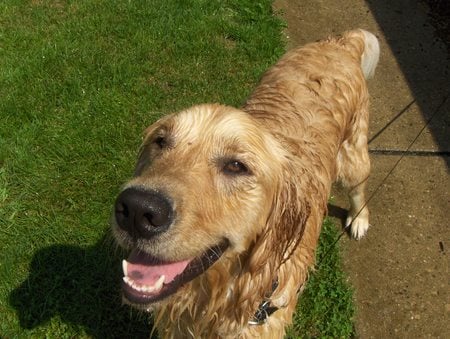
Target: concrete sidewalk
x,y
400,271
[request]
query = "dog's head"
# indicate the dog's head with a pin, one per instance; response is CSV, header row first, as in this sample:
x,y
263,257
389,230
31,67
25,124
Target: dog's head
x,y
210,183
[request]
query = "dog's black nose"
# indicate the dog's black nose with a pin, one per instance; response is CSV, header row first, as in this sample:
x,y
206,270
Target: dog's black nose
x,y
143,213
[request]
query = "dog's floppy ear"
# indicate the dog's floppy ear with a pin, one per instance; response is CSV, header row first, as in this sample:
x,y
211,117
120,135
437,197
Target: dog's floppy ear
x,y
297,188
283,231
285,224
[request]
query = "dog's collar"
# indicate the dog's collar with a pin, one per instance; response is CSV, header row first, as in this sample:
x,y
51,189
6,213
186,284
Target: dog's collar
x,y
265,309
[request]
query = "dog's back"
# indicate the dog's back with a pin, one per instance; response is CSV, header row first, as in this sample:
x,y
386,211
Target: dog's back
x,y
315,100
315,83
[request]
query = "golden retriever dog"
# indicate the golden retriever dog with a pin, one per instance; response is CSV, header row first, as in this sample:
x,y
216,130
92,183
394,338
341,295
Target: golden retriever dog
x,y
222,216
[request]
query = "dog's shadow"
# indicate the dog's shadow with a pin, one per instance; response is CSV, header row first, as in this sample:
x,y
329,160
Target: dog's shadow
x,y
81,286
338,213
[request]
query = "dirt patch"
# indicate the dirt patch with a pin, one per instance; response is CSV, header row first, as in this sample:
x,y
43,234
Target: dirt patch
x,y
400,271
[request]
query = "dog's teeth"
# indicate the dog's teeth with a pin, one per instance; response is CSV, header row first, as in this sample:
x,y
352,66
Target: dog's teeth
x,y
159,283
131,283
125,267
127,281
145,288
156,287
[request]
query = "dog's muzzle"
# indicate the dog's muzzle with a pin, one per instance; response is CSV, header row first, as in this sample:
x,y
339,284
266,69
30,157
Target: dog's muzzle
x,y
143,213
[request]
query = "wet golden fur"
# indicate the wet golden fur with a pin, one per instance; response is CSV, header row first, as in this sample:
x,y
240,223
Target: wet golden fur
x,y
304,127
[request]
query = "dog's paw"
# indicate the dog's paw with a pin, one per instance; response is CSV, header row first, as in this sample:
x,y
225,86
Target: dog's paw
x,y
358,226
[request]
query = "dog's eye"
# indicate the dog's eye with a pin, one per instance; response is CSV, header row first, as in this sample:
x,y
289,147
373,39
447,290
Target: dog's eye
x,y
160,141
234,167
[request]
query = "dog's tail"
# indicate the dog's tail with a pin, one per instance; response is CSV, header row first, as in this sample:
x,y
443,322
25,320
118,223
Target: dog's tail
x,y
370,55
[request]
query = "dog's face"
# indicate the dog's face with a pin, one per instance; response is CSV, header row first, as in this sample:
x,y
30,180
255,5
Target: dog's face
x,y
202,191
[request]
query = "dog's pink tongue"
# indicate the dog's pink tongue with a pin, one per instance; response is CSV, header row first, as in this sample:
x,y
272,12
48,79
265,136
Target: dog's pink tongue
x,y
146,270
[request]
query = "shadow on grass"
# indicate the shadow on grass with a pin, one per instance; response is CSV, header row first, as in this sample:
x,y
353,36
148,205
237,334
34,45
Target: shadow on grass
x,y
80,286
338,213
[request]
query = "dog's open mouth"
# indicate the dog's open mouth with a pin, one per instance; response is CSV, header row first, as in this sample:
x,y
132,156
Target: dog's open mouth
x,y
147,279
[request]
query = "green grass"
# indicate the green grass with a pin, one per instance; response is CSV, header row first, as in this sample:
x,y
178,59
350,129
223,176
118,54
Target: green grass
x,y
325,308
79,81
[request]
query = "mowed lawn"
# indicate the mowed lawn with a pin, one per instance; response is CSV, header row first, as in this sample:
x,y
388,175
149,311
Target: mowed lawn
x,y
79,82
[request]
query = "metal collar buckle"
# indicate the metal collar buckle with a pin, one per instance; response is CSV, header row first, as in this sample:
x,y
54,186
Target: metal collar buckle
x,y
265,309
263,312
